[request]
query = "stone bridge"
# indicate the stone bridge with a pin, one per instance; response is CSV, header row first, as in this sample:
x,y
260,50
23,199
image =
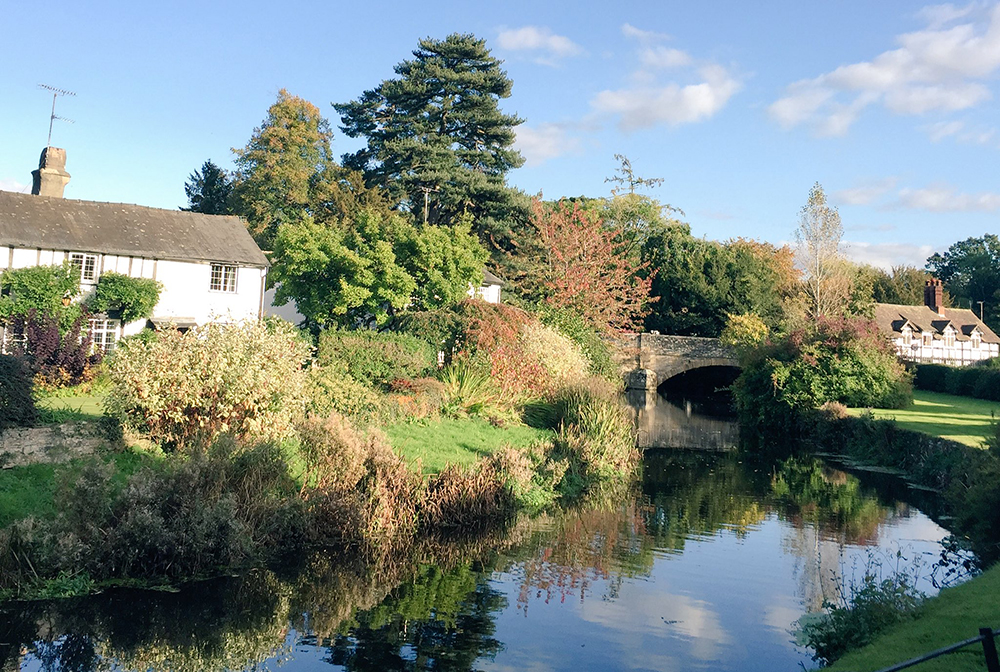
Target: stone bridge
x,y
650,359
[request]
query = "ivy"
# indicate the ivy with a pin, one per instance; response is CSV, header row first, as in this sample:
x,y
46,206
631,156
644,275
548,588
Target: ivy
x,y
134,298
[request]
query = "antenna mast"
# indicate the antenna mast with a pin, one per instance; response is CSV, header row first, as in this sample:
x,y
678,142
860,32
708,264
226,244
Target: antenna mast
x,y
55,92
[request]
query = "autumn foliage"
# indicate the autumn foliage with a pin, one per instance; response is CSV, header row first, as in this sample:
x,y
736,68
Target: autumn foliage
x,y
588,268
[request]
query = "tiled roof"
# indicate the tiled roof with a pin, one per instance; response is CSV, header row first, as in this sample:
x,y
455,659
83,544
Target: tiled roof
x,y
891,318
117,228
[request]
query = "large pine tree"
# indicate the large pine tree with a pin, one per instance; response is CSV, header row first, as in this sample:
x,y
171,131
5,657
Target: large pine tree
x,y
437,137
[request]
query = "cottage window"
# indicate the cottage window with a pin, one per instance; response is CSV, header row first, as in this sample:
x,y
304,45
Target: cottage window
x,y
907,335
928,338
86,264
949,338
223,278
103,334
977,339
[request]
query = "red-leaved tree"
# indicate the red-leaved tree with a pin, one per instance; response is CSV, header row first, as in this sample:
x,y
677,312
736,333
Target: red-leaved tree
x,y
588,267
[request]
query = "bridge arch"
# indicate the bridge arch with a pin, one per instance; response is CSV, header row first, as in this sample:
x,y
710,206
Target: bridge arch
x,y
657,358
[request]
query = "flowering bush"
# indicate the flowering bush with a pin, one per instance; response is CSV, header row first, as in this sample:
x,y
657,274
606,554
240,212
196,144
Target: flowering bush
x,y
243,379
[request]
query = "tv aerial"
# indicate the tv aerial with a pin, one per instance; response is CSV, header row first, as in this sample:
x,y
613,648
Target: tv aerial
x,y
55,94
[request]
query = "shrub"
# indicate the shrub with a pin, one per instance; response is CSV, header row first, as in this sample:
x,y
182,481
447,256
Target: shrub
x,y
596,433
467,390
222,508
561,358
361,494
331,389
962,380
585,335
41,289
245,379
133,298
414,399
17,405
863,609
376,358
988,385
58,357
843,360
931,377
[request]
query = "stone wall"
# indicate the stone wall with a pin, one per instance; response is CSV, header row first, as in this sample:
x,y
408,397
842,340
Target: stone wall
x,y
55,443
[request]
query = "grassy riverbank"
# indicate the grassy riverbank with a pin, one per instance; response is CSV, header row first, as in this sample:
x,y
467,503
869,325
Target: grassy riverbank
x,y
956,614
441,442
962,419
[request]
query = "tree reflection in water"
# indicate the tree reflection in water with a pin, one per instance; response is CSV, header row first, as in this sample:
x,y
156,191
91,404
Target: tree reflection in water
x,y
437,607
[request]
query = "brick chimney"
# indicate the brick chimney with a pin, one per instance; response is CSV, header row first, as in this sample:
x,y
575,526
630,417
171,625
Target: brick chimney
x,y
934,295
51,177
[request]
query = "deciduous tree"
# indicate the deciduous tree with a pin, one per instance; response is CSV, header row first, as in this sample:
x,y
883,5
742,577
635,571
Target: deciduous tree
x,y
818,235
588,268
970,270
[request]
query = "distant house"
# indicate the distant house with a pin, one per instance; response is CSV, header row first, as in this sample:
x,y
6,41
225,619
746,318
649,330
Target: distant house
x,y
489,291
210,267
932,333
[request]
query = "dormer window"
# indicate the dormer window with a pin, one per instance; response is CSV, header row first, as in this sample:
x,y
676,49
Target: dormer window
x,y
949,337
977,339
907,335
86,264
928,338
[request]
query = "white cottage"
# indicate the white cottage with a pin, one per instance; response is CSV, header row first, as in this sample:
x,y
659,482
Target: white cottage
x,y
210,267
932,333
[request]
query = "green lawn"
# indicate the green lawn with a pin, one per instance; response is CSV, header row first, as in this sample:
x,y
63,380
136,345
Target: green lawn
x,y
961,419
65,409
30,490
439,443
956,614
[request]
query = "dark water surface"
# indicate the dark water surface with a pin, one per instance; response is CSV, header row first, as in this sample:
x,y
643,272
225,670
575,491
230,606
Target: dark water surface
x,y
706,566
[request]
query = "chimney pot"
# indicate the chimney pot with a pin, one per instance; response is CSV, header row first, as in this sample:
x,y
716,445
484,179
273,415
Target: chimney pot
x,y
50,178
934,295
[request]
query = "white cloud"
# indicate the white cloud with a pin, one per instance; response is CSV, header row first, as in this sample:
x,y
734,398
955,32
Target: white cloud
x,y
539,40
944,198
664,57
671,104
628,30
933,70
942,129
937,16
8,184
543,142
887,255
865,194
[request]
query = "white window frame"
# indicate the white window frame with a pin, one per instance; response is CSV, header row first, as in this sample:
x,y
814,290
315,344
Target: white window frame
x,y
927,338
103,333
80,259
907,335
949,337
977,340
223,278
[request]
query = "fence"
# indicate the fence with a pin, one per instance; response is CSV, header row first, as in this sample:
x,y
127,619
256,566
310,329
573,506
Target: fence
x,y
986,636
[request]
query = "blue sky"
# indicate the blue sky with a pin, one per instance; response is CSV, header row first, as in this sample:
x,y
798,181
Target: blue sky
x,y
740,107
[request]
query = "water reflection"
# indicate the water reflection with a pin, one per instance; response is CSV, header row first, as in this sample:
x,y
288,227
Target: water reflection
x,y
680,422
704,566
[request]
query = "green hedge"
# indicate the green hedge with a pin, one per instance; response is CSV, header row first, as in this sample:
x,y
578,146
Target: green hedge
x,y
376,358
981,380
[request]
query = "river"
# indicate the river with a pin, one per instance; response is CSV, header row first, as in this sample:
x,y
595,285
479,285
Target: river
x,y
706,565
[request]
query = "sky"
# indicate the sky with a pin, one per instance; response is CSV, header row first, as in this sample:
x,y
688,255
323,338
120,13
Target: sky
x,y
739,107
